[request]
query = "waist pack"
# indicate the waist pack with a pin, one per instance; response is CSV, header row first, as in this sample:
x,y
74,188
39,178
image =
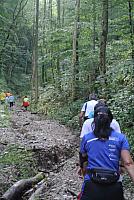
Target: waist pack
x,y
103,176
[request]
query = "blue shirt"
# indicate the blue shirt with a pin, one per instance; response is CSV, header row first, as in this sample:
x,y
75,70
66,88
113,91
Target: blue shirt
x,y
104,154
11,99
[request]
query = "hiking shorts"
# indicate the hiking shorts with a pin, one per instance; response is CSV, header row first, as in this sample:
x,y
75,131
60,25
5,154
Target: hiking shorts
x,y
94,191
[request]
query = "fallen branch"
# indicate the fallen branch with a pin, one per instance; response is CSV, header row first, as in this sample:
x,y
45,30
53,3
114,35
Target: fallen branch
x,y
32,190
38,192
19,188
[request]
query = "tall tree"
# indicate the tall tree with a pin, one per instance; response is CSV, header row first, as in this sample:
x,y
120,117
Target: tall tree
x,y
63,11
58,53
130,6
94,25
35,53
103,40
44,48
75,59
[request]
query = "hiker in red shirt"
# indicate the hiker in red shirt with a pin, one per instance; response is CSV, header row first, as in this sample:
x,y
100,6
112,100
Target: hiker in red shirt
x,y
26,102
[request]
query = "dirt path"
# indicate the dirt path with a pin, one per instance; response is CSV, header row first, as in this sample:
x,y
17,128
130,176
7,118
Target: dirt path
x,y
31,131
57,148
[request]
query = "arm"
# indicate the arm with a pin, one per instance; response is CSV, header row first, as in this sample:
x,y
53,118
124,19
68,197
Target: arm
x,y
128,163
81,115
83,159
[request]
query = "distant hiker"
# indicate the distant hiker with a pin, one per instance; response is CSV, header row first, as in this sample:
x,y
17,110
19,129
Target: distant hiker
x,y
7,100
25,102
2,97
11,101
8,94
88,109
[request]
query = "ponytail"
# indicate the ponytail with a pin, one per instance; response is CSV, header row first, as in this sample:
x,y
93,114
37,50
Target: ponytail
x,y
102,122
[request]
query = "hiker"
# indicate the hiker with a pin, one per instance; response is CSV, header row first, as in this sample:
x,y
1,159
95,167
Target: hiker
x,y
25,102
88,109
2,97
8,94
102,149
11,101
7,100
88,125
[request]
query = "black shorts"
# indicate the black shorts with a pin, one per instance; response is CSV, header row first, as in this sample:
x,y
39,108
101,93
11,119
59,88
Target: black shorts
x,y
11,104
93,191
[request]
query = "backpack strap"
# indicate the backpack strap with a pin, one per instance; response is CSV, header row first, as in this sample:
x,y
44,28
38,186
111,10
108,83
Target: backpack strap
x,y
85,107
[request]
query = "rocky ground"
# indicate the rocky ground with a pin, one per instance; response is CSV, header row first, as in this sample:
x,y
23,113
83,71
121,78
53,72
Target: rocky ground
x,y
48,139
56,150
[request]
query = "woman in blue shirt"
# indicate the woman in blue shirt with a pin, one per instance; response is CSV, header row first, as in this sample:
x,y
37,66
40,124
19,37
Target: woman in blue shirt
x,y
103,149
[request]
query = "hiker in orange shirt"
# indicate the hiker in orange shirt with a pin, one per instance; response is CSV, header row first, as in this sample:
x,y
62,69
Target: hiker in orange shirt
x,y
2,97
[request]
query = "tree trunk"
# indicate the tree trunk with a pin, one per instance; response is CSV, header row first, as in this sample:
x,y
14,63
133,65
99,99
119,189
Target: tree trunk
x,y
35,54
94,25
103,41
19,188
50,15
63,12
58,49
38,192
75,59
130,7
36,51
58,12
92,74
44,46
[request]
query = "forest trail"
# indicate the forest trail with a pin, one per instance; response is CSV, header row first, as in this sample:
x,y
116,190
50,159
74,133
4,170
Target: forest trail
x,y
56,149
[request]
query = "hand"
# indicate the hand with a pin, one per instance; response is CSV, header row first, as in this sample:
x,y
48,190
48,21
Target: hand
x,y
79,171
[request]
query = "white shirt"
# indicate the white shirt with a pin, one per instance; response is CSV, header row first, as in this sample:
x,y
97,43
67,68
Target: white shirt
x,y
88,107
87,127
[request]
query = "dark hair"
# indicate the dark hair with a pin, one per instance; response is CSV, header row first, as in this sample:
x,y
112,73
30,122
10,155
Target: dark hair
x,y
99,104
102,104
93,97
102,120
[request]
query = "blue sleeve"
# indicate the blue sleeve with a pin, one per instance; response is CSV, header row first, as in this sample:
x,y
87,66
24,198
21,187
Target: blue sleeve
x,y
125,144
82,145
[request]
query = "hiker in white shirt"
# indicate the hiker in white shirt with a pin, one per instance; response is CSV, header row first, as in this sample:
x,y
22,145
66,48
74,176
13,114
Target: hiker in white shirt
x,y
88,127
88,109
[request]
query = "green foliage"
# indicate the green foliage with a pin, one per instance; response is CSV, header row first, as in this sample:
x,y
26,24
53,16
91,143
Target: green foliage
x,y
59,107
15,44
130,135
121,96
66,113
20,159
119,83
4,116
3,84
